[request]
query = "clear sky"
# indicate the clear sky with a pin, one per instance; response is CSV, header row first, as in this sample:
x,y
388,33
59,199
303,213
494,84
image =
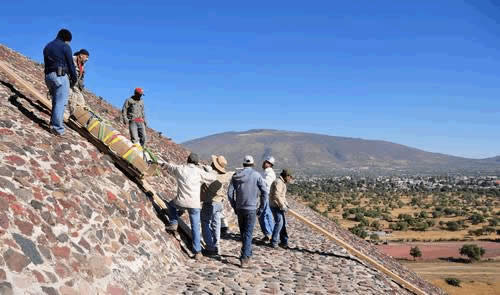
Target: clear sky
x,y
420,73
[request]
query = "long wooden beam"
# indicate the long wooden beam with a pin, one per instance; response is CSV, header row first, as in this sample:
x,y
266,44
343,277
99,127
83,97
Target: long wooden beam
x,y
359,254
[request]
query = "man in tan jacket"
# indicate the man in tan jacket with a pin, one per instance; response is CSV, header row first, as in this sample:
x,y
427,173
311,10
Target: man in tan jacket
x,y
189,178
213,196
279,206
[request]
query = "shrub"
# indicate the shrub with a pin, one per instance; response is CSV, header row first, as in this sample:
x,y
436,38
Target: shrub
x,y
415,252
473,251
453,281
359,231
452,226
374,237
476,218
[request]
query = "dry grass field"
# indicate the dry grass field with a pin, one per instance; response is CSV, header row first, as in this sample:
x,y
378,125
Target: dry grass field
x,y
481,278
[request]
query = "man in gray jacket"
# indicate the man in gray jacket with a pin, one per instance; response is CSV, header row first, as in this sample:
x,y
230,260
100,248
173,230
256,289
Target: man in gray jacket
x,y
133,113
242,194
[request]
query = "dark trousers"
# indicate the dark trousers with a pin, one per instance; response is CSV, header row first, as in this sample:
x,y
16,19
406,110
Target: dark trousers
x,y
246,223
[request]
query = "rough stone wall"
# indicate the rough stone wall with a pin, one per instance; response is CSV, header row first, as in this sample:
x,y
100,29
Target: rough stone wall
x,y
72,223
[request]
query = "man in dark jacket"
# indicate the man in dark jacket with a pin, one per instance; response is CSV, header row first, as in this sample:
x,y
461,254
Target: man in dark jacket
x,y
133,113
58,61
242,193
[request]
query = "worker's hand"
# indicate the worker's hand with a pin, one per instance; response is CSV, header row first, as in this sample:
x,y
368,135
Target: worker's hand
x,y
285,209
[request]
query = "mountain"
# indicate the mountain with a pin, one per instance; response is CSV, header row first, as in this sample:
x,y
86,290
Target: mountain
x,y
312,153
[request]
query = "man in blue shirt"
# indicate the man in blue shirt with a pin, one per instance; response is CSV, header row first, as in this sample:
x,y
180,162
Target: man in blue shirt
x,y
242,193
60,75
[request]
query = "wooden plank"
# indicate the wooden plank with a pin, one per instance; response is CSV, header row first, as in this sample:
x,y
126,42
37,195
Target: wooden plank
x,y
359,254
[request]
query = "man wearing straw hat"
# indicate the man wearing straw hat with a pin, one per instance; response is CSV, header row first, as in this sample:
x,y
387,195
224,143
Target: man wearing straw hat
x,y
213,196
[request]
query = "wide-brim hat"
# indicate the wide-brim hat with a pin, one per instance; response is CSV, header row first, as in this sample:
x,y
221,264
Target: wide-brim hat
x,y
220,163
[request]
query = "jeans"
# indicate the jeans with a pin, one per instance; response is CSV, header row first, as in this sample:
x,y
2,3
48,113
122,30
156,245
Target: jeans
x,y
211,223
194,219
137,132
279,231
59,90
266,221
246,222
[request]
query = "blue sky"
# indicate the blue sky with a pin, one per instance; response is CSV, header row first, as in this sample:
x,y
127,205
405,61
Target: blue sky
x,y
420,73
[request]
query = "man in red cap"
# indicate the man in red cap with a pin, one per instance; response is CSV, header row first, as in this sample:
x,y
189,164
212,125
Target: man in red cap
x,y
133,113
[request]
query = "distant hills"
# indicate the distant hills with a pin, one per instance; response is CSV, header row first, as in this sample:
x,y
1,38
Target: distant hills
x,y
316,154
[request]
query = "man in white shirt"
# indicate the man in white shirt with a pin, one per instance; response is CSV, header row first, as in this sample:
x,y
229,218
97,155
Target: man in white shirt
x,y
266,216
189,178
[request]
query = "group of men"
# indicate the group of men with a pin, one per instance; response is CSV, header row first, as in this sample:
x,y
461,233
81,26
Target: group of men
x,y
201,191
64,77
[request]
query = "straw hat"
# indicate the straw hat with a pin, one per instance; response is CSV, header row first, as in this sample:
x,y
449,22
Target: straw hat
x,y
220,163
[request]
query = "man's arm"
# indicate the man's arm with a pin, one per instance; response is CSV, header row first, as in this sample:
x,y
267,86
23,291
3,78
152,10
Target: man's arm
x,y
68,56
124,112
144,114
231,195
207,177
171,168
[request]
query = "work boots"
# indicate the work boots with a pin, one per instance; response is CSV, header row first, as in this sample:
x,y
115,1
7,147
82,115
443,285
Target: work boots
x,y
245,262
171,227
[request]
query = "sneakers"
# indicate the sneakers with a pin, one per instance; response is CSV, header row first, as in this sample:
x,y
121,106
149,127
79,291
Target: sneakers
x,y
266,239
172,227
284,246
245,262
211,253
198,256
54,132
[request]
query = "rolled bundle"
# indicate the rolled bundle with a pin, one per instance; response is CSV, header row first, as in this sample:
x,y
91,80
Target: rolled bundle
x,y
82,115
119,144
99,129
134,156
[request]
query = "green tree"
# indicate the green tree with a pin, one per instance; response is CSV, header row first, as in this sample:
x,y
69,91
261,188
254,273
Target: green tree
x,y
374,237
452,226
415,252
473,251
476,218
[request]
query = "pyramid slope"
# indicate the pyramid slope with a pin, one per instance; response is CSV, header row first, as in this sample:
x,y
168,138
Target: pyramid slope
x,y
72,223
